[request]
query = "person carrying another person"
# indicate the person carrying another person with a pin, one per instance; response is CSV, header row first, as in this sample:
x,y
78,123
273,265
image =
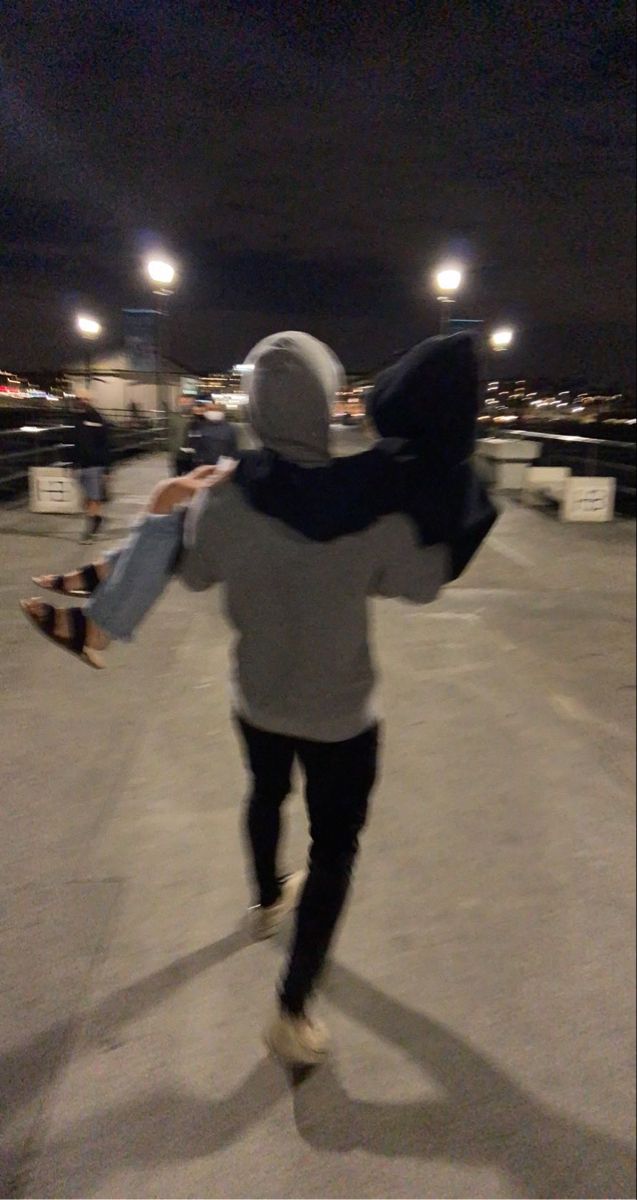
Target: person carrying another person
x,y
303,682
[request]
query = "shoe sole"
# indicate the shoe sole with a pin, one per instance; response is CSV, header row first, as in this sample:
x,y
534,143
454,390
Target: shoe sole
x,y
310,1059
279,920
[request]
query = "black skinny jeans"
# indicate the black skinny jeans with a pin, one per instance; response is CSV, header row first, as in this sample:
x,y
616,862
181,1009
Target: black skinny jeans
x,y
339,779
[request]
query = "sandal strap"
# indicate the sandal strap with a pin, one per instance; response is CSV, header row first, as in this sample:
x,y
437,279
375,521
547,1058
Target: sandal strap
x,y
77,622
90,578
47,620
57,584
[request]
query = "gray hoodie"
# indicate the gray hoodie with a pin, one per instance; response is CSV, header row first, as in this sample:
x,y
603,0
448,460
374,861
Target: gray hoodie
x,y
301,663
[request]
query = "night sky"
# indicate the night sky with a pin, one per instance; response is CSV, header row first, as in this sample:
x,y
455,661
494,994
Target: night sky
x,y
308,164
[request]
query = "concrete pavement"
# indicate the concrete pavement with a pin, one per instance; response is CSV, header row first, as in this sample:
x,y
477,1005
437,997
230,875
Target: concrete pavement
x,y
481,991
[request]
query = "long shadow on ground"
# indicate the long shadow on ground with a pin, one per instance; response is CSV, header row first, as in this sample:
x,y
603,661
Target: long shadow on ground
x,y
483,1118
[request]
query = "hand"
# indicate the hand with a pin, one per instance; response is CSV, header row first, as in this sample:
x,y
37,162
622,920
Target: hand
x,y
184,488
205,477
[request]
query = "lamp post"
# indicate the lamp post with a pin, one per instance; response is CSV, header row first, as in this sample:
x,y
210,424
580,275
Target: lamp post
x,y
448,280
162,275
89,329
501,339
498,342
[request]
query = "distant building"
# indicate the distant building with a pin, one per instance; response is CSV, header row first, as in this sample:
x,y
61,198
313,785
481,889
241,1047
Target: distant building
x,y
220,381
227,388
136,375
114,385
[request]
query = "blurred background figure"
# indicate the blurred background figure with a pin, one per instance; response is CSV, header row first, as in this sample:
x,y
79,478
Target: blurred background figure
x,y
91,457
134,415
178,422
209,437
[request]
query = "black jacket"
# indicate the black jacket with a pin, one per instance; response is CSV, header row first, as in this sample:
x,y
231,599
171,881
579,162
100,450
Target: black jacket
x,y
91,440
209,441
425,405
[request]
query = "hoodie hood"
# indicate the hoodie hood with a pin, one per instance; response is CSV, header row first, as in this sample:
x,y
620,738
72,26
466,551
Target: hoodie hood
x,y
430,396
291,390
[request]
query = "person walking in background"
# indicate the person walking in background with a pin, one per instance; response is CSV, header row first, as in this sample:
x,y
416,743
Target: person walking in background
x,y
134,415
91,457
177,422
210,436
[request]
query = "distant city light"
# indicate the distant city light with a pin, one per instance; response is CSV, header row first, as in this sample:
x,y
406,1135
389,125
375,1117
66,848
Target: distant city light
x,y
501,339
160,271
243,368
88,326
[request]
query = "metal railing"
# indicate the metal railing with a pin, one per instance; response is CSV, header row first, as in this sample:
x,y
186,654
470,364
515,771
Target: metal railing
x,y
41,438
587,456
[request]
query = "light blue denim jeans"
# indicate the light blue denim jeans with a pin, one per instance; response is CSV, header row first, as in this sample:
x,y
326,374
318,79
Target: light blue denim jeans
x,y
141,568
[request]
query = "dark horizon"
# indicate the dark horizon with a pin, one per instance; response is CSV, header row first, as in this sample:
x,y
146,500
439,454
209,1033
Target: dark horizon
x,y
308,168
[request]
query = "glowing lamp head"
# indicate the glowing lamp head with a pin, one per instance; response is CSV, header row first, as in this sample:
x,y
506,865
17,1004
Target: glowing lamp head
x,y
88,327
501,339
160,271
448,280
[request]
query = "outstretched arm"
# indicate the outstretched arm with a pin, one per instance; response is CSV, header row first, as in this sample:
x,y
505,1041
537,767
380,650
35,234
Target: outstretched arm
x,y
145,564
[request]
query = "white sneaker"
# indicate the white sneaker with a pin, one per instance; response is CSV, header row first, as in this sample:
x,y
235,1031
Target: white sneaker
x,y
264,922
299,1041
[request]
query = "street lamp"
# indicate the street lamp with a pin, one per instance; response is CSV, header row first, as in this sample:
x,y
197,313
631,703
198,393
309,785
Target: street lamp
x,y
501,339
162,275
448,280
89,329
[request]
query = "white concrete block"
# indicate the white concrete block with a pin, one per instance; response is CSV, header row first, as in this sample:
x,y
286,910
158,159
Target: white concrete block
x,y
508,449
53,489
540,482
588,498
502,462
537,478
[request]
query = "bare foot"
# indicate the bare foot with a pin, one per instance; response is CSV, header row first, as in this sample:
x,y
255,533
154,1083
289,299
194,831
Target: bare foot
x,y
74,582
